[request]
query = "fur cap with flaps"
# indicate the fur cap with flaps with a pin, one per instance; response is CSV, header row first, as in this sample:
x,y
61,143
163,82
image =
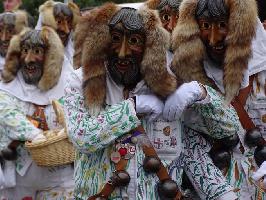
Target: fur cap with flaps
x,y
21,19
91,42
47,12
54,56
189,50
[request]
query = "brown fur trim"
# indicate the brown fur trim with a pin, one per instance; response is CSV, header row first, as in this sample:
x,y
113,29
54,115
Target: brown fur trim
x,y
54,57
91,39
11,66
152,4
242,29
76,13
153,65
46,10
189,49
21,20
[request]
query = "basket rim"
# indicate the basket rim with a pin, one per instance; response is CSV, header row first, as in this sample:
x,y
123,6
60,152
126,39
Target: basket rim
x,y
48,141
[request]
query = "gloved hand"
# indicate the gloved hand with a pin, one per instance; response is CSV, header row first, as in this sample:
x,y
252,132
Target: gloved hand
x,y
149,105
260,173
184,96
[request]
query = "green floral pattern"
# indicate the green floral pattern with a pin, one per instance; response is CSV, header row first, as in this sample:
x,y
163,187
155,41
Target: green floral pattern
x,y
93,137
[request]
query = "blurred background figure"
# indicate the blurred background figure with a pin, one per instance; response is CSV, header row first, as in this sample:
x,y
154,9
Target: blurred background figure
x,y
262,11
11,5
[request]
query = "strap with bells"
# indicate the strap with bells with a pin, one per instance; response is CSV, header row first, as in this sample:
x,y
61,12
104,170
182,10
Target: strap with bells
x,y
167,188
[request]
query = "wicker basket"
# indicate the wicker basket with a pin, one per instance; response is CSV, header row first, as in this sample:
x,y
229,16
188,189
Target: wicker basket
x,y
56,149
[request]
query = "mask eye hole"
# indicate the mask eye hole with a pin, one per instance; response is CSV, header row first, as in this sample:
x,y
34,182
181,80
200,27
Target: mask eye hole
x,y
166,17
135,40
24,50
206,25
222,25
116,38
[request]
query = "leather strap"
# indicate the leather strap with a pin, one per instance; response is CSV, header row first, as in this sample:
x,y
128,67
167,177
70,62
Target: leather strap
x,y
108,188
162,174
121,165
150,151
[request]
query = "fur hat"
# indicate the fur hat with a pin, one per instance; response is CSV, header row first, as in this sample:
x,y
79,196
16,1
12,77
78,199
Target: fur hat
x,y
54,56
190,50
47,12
21,19
91,42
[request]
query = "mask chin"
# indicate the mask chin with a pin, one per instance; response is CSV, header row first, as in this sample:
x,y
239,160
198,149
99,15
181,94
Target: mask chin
x,y
32,73
63,36
216,57
128,78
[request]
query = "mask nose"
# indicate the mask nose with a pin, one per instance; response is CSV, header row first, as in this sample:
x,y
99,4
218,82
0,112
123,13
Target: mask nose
x,y
172,23
214,36
124,50
64,27
29,57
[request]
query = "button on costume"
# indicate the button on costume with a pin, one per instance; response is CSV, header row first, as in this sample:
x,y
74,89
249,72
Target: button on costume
x,y
123,58
34,75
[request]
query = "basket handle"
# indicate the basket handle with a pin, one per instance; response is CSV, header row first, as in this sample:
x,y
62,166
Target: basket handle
x,y
59,112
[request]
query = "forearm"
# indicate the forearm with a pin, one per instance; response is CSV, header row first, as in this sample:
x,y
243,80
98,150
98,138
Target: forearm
x,y
13,122
213,117
90,133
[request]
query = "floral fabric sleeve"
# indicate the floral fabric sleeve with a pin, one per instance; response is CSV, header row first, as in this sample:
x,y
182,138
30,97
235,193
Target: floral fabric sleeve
x,y
89,133
13,123
213,118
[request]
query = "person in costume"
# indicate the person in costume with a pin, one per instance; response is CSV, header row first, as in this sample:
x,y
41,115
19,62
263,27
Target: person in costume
x,y
62,17
219,37
34,74
10,24
123,61
168,11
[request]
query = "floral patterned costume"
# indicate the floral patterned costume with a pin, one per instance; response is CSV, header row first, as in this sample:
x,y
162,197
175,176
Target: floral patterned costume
x,y
94,139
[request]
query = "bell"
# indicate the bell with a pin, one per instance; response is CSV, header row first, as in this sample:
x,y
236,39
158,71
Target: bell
x,y
260,154
220,158
9,154
253,137
230,142
151,164
120,178
167,189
